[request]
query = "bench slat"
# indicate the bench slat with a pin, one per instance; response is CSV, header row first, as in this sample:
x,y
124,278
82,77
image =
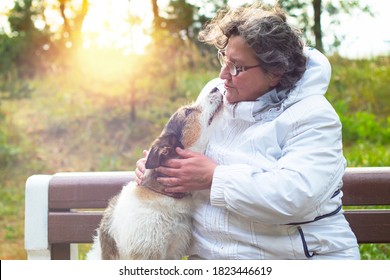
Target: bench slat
x,y
60,251
85,190
93,190
69,227
370,226
360,183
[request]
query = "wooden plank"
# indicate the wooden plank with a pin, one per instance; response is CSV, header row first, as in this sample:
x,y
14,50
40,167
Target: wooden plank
x,y
69,227
85,190
370,226
362,186
60,251
367,186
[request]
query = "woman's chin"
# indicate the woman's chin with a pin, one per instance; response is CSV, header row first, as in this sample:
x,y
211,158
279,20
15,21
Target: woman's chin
x,y
231,97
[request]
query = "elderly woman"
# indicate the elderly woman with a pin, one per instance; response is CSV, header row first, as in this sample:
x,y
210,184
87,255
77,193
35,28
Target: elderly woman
x,y
270,183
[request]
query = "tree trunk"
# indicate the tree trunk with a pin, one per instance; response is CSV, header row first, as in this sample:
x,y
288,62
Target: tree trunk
x,y
133,114
156,16
79,20
74,34
66,29
317,6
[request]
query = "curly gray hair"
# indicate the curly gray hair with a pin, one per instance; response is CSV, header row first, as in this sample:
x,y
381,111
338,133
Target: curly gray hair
x,y
277,45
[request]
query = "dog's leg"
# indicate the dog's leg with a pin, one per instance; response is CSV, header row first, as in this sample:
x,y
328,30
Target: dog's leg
x,y
109,249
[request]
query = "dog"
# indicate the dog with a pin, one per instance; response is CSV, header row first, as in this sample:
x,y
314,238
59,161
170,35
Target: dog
x,y
143,221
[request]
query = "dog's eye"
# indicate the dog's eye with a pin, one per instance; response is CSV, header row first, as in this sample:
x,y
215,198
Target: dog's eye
x,y
188,111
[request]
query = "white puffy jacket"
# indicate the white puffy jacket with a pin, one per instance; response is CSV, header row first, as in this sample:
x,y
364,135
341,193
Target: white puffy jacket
x,y
276,193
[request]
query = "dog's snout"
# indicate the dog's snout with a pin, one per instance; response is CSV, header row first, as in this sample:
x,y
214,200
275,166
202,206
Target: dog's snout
x,y
215,97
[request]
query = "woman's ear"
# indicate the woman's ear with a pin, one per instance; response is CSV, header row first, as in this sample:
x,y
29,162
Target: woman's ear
x,y
273,80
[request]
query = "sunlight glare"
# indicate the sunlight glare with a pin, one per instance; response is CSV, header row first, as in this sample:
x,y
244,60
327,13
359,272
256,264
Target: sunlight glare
x,y
119,24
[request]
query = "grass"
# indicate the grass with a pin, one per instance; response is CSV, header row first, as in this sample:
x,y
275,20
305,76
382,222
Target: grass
x,y
53,131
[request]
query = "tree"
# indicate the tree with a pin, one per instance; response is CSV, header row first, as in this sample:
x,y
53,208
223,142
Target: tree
x,y
23,48
317,29
72,26
22,51
156,16
312,27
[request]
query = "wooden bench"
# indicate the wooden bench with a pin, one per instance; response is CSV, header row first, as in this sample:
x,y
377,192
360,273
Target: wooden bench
x,y
64,209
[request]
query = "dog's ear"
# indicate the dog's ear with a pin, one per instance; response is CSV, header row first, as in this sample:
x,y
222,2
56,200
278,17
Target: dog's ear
x,y
162,149
156,155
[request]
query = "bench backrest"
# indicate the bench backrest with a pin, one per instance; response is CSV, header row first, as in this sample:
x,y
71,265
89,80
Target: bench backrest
x,y
76,201
365,187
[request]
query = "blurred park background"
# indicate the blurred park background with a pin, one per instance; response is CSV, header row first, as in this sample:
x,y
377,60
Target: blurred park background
x,y
86,85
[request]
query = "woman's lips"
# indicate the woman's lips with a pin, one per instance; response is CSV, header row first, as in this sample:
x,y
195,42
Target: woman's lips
x,y
227,86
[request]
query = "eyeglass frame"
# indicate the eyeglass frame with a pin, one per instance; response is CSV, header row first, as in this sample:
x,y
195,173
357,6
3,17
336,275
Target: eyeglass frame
x,y
236,70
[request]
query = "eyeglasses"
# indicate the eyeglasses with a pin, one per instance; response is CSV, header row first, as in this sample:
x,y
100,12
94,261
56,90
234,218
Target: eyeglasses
x,y
233,69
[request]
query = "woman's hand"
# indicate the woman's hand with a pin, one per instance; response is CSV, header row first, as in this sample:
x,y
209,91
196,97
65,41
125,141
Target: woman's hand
x,y
192,172
140,168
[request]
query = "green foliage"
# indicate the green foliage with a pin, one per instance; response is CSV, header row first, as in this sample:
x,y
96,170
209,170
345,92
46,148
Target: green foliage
x,y
359,92
8,150
13,88
27,50
362,127
375,251
367,154
361,85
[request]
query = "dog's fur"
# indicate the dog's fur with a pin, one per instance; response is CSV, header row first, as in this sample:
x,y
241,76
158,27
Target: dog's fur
x,y
144,222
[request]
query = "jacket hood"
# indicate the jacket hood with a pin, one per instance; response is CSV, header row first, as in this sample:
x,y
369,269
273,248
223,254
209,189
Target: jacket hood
x,y
314,81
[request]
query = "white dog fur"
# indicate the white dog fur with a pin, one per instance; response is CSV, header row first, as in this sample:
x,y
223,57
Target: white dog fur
x,y
144,222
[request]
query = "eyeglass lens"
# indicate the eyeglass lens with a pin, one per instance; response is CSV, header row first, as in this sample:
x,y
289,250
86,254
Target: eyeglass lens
x,y
224,62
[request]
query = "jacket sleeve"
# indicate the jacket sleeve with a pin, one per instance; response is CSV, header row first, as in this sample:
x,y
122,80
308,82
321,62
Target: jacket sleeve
x,y
301,185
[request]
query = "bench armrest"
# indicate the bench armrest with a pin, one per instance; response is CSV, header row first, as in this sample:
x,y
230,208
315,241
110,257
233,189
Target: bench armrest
x,y
36,217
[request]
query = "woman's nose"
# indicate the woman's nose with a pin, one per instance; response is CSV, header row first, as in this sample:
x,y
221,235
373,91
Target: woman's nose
x,y
224,74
